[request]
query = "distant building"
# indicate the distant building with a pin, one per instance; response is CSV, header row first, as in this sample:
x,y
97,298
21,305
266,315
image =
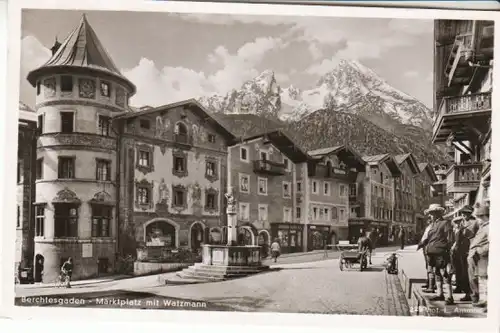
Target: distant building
x,y
462,106
405,196
423,194
331,172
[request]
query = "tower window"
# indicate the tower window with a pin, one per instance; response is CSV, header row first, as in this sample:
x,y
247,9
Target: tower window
x,y
67,125
66,83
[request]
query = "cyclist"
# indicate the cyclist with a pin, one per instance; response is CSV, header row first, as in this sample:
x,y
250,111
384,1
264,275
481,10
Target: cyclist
x,y
67,271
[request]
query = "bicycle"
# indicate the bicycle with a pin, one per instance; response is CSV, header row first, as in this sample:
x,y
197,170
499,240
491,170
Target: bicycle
x,y
61,281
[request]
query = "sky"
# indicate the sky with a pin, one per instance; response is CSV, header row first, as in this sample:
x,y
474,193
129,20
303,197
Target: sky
x,y
171,57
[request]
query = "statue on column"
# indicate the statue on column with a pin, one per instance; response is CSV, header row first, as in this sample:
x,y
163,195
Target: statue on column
x,y
231,201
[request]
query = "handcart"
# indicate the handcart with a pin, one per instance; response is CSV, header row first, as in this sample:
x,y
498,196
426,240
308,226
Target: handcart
x,y
350,256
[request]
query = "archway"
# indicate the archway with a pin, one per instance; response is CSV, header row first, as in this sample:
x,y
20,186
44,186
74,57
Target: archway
x,y
161,232
264,240
39,262
246,236
196,235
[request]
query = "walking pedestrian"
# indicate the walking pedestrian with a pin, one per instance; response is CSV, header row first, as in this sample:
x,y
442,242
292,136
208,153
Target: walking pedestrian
x,y
438,245
478,257
402,237
372,236
275,249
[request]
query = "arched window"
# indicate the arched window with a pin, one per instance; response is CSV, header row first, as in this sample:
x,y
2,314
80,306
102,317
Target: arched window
x,y
180,128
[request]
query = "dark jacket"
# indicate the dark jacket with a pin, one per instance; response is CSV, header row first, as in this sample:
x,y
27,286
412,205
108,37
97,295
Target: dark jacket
x,y
440,238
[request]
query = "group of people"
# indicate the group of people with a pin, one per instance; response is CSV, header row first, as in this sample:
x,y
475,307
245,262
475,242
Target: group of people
x,y
457,248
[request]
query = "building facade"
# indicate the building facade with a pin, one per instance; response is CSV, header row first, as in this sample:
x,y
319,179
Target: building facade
x,y
423,195
405,200
375,189
463,83
266,174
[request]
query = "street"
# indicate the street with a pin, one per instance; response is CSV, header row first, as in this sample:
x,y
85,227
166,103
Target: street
x,y
305,287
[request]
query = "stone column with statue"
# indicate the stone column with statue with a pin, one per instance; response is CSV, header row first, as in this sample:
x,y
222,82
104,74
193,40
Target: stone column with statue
x,y
232,231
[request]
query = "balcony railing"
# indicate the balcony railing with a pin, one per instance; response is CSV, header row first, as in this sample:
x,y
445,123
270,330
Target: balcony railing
x,y
464,177
182,138
269,167
464,104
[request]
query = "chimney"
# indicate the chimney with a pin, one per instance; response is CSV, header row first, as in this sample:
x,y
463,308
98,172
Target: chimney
x,y
56,46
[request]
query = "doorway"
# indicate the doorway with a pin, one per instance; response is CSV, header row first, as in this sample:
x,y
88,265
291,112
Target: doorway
x,y
39,262
197,233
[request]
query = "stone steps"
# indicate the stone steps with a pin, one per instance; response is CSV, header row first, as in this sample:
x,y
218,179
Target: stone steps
x,y
207,273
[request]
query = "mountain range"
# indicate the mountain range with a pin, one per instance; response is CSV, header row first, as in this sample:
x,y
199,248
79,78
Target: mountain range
x,y
349,105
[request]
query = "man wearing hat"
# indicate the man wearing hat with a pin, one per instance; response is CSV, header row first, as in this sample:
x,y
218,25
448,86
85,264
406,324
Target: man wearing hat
x,y
438,246
460,251
478,257
427,287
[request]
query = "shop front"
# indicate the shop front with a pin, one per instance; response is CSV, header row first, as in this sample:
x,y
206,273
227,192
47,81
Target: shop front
x,y
318,237
289,236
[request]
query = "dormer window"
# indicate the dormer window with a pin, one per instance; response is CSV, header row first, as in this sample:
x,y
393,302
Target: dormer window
x,y
181,133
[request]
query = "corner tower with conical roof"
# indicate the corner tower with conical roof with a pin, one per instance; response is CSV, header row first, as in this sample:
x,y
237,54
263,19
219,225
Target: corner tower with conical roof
x,y
78,90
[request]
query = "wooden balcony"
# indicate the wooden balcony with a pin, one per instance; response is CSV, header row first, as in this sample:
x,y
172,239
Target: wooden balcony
x,y
322,171
269,167
473,109
463,178
182,139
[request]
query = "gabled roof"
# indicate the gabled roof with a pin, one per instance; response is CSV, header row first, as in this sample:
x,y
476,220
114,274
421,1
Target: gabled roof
x,y
387,159
430,171
81,50
344,152
412,162
282,142
192,104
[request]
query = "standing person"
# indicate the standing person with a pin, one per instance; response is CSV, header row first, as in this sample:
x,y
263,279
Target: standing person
x,y
372,236
428,287
478,257
402,237
365,246
460,252
275,249
438,245
67,271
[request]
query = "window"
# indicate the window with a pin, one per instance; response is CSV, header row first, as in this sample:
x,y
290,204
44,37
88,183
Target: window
x,y
20,170
144,158
244,154
101,220
334,213
321,214
67,125
262,185
66,167
39,168
211,138
327,214
39,221
66,220
382,192
103,169
105,91
104,125
298,212
211,169
286,163
353,190
374,171
40,124
315,213
326,188
287,214
244,183
180,164
287,190
299,187
342,214
179,199
18,223
244,211
143,195
210,200
342,190
145,124
66,83
38,88
314,187
263,213
263,155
